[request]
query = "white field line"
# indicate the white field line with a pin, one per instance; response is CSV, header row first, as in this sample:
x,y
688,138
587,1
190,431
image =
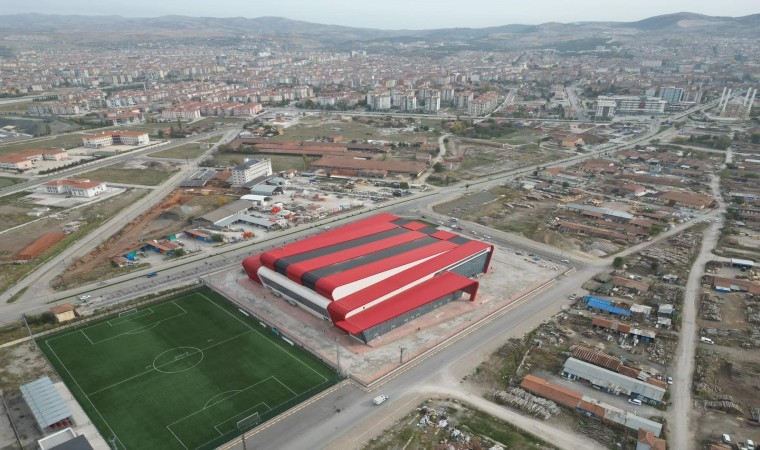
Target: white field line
x,y
85,395
276,344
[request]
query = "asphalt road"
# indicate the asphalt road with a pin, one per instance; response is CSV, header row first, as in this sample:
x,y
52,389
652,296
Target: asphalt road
x,y
336,419
322,426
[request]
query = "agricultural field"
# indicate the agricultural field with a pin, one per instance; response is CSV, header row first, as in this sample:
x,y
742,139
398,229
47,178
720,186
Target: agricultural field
x,y
198,372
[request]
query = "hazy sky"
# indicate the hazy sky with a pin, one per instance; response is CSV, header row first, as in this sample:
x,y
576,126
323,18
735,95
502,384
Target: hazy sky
x,y
396,14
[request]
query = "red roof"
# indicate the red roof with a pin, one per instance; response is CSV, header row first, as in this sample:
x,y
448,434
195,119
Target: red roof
x,y
408,300
356,230
444,235
555,392
325,286
296,271
339,310
415,226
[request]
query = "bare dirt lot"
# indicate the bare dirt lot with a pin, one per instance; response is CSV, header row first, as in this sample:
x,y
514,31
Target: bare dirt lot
x,y
506,209
20,364
77,221
172,215
452,425
475,158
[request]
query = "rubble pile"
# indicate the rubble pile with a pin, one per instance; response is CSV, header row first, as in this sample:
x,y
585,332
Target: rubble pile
x,y
724,403
753,311
526,402
710,307
439,419
683,246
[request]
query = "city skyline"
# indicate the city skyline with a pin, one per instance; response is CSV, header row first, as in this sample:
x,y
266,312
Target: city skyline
x,y
397,14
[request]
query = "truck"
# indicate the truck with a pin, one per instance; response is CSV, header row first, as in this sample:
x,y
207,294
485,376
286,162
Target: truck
x,y
379,399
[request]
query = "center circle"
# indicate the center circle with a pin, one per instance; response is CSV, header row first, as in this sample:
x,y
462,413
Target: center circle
x,y
178,359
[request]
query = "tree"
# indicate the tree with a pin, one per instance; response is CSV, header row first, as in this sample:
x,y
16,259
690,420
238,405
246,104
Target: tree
x,y
565,184
438,167
446,140
217,238
618,262
179,252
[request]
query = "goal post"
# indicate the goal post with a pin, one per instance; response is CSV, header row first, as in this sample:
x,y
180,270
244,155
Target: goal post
x,y
249,422
127,312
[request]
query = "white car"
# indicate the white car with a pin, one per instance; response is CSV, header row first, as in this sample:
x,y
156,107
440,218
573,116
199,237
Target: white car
x,y
85,297
379,399
726,438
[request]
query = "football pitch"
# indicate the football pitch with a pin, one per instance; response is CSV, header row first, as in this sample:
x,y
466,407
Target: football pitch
x,y
186,373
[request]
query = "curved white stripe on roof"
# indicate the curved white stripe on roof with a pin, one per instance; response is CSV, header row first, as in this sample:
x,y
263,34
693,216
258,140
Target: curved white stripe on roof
x,y
266,273
358,285
415,283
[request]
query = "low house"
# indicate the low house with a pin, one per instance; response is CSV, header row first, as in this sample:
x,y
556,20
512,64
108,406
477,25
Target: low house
x,y
64,312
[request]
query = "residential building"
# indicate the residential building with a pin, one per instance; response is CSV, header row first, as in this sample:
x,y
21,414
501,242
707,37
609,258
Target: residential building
x,y
671,94
629,105
251,169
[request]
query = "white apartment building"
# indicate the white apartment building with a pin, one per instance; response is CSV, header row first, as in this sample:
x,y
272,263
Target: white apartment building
x,y
116,137
76,188
632,105
251,169
433,104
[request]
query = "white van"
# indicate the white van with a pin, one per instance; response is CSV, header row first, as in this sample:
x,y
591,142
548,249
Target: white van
x,y
379,399
706,340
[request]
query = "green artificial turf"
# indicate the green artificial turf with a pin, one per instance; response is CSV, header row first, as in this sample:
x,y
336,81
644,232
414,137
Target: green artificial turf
x,y
185,373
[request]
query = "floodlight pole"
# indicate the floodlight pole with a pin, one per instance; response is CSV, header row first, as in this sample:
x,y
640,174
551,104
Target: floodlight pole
x,y
401,355
337,354
242,438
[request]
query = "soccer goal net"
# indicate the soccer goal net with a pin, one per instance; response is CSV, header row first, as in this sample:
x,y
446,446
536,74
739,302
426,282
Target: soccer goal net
x,y
128,312
248,422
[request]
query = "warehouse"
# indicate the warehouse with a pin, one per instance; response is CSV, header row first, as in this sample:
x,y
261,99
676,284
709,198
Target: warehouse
x,y
612,382
374,275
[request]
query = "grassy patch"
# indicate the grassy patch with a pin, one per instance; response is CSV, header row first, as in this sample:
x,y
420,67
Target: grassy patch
x,y
5,182
17,295
144,176
190,150
62,141
195,368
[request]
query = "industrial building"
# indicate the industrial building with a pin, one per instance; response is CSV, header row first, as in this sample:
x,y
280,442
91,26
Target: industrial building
x,y
589,406
374,275
613,382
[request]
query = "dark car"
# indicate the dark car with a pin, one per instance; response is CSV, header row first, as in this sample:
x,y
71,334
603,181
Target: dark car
x,y
151,275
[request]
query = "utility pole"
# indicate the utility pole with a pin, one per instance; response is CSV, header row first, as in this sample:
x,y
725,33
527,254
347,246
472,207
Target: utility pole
x,y
337,354
401,355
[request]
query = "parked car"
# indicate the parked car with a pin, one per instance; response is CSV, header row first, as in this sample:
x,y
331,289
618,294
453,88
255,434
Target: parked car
x,y
750,444
635,401
726,438
152,275
670,380
85,297
706,340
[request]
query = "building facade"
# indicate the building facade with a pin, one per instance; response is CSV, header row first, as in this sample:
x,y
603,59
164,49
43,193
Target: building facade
x,y
373,275
251,169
